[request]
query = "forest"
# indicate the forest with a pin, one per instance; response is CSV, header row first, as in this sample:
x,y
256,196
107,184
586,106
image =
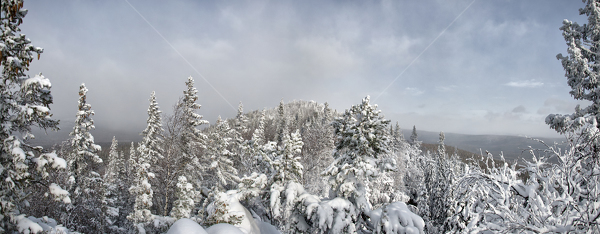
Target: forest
x,y
301,167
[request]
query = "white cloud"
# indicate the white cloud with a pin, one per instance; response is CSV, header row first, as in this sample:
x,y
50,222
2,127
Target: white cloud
x,y
525,84
413,91
446,88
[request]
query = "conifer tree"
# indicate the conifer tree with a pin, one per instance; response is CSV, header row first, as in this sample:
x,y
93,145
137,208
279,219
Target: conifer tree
x,y
182,207
581,67
240,123
260,149
362,152
398,141
192,139
148,152
221,158
282,127
414,138
140,188
115,195
239,146
219,211
150,147
24,103
582,128
87,183
287,164
258,137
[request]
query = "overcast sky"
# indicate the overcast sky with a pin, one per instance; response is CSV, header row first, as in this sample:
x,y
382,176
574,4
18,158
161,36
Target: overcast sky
x,y
493,71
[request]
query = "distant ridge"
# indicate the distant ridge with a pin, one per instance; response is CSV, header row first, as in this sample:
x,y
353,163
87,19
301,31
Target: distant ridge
x,y
513,147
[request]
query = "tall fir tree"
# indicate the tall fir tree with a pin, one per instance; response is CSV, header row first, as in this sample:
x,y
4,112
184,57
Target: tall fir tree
x,y
192,139
24,103
221,158
260,149
151,145
258,136
582,69
239,146
414,137
282,126
287,164
141,189
362,152
398,141
87,183
582,129
115,195
147,154
183,206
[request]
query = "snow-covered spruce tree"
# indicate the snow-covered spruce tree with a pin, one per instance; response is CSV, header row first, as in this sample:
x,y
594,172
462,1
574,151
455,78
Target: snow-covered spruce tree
x,y
401,149
239,145
262,151
148,152
141,190
240,122
282,126
582,128
183,206
219,211
287,164
192,140
399,144
86,210
362,153
258,136
115,191
24,103
438,179
221,167
414,137
288,169
582,70
151,145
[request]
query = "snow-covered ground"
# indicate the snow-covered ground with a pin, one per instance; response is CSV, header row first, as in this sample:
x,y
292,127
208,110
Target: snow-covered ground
x,y
393,218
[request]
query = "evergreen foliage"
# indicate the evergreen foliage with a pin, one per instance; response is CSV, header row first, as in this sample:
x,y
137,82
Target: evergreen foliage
x,y
24,103
217,152
83,159
115,195
362,152
192,140
151,145
182,207
287,164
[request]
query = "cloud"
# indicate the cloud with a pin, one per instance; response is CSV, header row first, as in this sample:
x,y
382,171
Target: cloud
x,y
560,106
519,109
413,91
525,84
446,88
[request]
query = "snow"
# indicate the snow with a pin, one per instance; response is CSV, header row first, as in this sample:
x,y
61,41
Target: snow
x,y
186,226
57,162
49,225
19,152
26,226
266,228
60,193
248,224
397,218
223,228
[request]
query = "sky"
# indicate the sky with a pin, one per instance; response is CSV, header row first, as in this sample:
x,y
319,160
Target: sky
x,y
463,66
